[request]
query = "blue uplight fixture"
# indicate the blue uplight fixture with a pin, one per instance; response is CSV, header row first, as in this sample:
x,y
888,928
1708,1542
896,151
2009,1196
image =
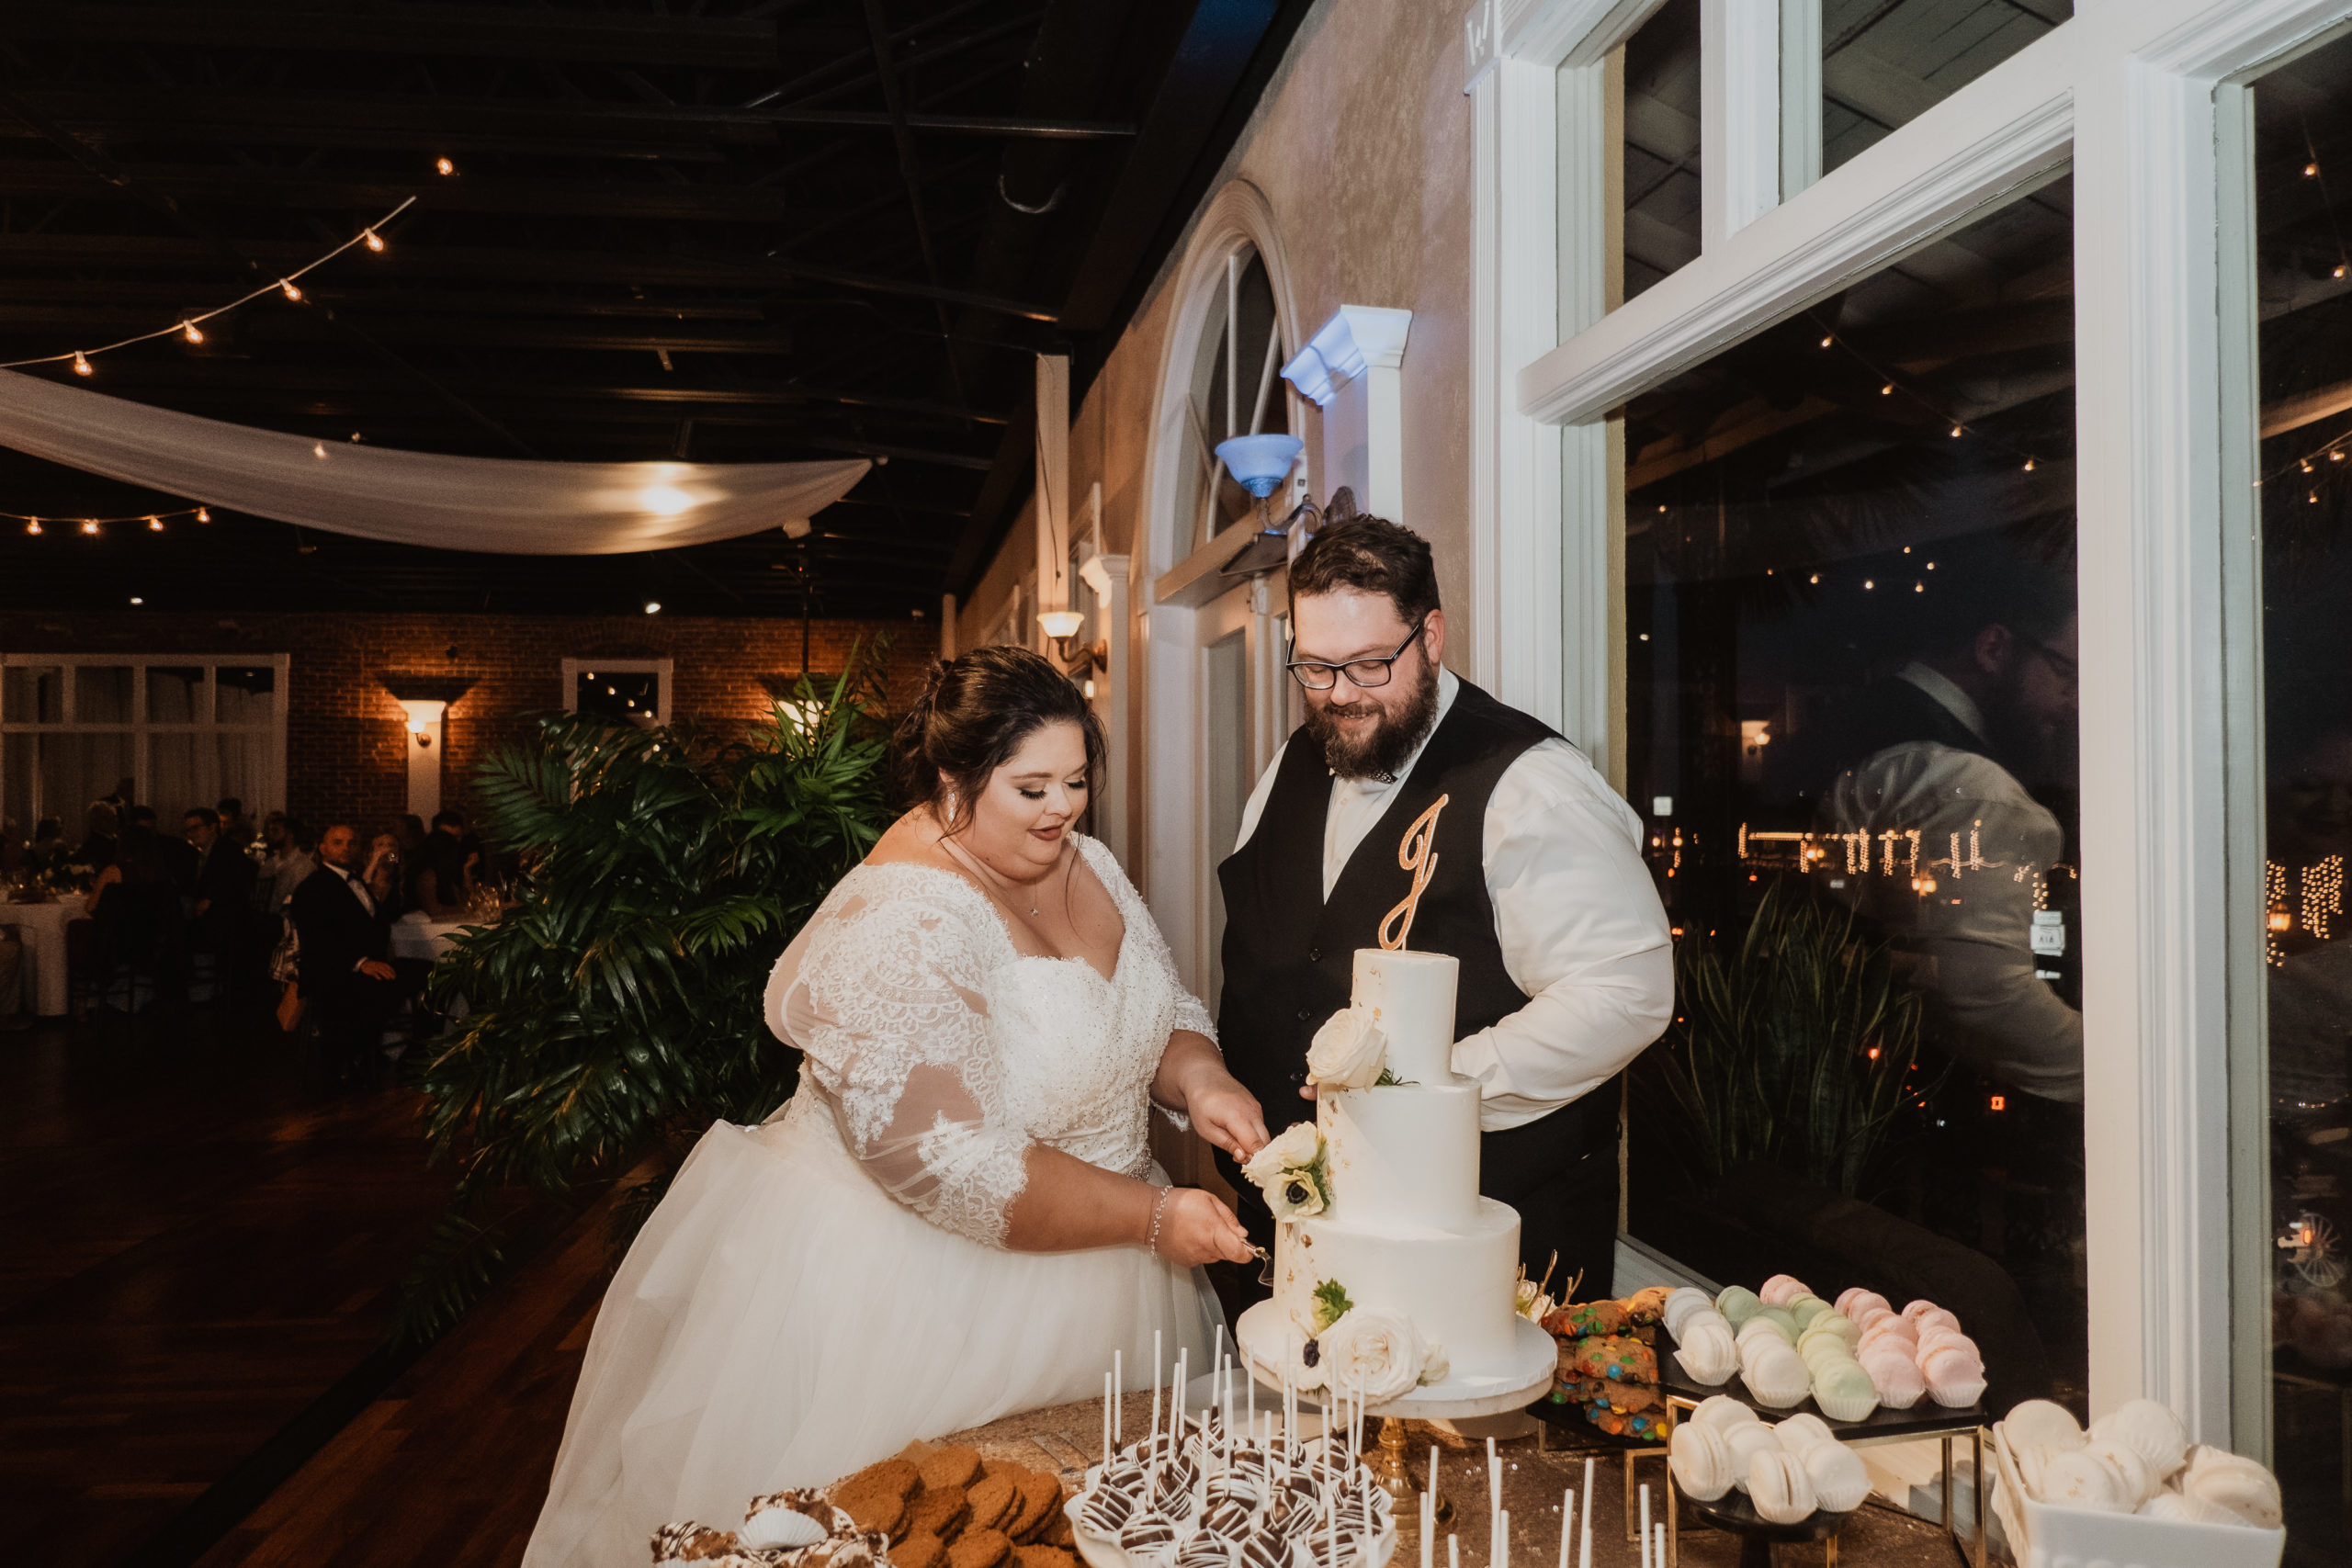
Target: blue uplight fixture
x,y
1259,462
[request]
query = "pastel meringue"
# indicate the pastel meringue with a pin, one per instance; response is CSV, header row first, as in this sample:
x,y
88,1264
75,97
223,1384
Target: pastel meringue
x,y
1804,1309
1707,1351
1894,1375
2140,1483
2178,1507
1776,1375
2083,1480
1854,1300
1743,1443
1844,1392
2241,1485
1888,1330
1825,1348
1839,1481
1680,1304
1781,1316
1835,1324
1763,1326
1799,1432
2151,1429
1911,1310
1778,1486
1954,1374
1782,1289
1700,1460
1720,1410
1738,1304
1934,1317
1931,1337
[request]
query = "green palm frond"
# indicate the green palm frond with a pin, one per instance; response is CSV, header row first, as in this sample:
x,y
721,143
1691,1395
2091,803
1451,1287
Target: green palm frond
x,y
614,1014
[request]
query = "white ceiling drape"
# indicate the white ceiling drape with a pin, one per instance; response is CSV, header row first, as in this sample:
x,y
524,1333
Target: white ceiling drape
x,y
497,504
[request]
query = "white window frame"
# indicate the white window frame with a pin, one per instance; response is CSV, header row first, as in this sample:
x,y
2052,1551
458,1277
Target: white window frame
x,y
2138,98
574,668
140,728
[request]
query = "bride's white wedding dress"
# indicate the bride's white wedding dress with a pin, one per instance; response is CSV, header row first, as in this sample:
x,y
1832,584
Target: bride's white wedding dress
x,y
815,1292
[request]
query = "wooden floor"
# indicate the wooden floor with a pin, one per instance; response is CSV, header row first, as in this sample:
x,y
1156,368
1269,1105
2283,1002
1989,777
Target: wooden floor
x,y
198,1242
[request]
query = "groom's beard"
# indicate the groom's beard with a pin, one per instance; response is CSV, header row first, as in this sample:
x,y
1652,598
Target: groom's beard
x,y
1380,752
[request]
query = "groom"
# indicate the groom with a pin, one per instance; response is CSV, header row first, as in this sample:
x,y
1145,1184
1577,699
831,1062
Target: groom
x,y
1567,967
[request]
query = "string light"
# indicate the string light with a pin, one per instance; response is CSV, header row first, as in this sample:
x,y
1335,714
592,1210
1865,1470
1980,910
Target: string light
x,y
1887,390
155,522
2029,465
1955,432
155,525
189,327
1828,339
443,165
32,524
204,516
89,526
1889,384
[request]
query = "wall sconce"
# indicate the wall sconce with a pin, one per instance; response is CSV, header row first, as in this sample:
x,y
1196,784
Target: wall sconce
x,y
424,713
1062,627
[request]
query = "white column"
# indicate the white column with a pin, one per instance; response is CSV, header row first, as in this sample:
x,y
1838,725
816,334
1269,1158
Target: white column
x,y
2155,604
1052,490
1515,559
1360,352
1739,117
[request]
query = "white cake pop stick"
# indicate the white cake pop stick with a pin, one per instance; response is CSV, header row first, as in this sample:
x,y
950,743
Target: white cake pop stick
x,y
1106,1418
1568,1523
1584,1538
1494,1485
1155,1387
1646,1524
1453,1551
1118,1394
1428,1532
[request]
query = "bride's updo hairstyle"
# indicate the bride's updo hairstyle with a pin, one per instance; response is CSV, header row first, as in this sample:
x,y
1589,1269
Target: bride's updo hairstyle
x,y
974,714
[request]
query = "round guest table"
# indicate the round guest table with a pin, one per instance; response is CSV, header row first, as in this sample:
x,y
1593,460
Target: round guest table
x,y
41,927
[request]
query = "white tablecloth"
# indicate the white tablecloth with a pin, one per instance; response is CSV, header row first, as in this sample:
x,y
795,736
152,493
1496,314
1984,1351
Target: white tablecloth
x,y
413,936
41,927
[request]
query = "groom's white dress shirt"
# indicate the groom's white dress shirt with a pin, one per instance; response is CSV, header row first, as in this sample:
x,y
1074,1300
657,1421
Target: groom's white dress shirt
x,y
1577,918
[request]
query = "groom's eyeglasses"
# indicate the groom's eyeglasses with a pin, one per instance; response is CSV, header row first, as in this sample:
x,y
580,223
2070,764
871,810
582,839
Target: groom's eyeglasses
x,y
1363,673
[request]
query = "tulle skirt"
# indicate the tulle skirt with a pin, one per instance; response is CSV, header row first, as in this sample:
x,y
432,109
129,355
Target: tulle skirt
x,y
782,1321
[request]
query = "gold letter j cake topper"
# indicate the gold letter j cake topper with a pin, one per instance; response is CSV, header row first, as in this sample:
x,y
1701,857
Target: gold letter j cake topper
x,y
1415,855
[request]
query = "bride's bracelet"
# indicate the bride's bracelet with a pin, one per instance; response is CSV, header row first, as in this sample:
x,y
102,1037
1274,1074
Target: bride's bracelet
x,y
1157,1210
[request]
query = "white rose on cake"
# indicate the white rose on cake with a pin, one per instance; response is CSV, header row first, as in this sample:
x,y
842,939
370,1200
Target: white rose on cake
x,y
1349,1051
1376,1354
1289,1171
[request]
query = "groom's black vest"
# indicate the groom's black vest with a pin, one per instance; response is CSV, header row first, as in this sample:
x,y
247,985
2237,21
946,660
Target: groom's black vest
x,y
1290,953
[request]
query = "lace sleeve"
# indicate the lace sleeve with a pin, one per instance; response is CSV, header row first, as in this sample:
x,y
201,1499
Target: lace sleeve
x,y
886,994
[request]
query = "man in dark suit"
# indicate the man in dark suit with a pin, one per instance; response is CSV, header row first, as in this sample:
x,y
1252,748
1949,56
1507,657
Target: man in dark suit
x,y
341,921
223,885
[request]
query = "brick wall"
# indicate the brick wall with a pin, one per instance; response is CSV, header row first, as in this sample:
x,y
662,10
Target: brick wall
x,y
346,749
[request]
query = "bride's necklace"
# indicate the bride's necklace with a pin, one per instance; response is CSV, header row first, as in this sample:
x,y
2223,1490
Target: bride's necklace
x,y
996,880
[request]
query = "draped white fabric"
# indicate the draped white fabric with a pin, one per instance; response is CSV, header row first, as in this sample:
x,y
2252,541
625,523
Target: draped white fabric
x,y
507,505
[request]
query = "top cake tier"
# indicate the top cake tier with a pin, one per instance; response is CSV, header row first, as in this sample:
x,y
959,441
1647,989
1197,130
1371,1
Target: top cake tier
x,y
1411,997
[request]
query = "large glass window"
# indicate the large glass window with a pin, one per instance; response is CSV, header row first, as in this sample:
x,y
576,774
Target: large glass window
x,y
170,733
1660,172
1851,717
2303,208
1885,62
1236,389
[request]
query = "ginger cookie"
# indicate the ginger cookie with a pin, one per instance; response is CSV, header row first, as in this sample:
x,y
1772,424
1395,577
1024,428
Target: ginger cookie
x,y
891,1474
1043,1557
1057,1531
979,1549
874,1510
952,1466
993,1500
1040,1494
920,1549
943,1511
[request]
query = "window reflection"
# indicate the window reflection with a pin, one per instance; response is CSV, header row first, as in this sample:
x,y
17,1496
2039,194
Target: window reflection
x,y
1852,708
1885,62
2303,181
1660,63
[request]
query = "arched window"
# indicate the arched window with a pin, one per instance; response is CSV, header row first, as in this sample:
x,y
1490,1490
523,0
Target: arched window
x,y
1235,389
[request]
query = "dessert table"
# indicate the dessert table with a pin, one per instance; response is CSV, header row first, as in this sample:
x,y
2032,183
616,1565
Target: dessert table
x,y
41,927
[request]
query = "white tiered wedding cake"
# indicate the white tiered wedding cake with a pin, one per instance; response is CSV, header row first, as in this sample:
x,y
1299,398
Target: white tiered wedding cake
x,y
1393,1278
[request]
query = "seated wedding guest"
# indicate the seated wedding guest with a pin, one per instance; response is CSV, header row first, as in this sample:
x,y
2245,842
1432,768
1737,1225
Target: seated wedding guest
x,y
180,857
134,900
441,877
47,847
408,831
224,885
235,826
101,830
386,852
344,929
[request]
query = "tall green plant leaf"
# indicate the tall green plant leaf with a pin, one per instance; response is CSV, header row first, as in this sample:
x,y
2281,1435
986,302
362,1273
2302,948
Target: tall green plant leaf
x,y
615,1013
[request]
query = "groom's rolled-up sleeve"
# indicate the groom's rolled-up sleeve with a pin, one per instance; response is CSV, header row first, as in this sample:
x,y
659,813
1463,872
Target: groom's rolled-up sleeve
x,y
1582,933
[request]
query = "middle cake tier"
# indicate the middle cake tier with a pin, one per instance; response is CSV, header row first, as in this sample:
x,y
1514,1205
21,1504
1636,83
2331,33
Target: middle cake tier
x,y
1404,1155
1456,1285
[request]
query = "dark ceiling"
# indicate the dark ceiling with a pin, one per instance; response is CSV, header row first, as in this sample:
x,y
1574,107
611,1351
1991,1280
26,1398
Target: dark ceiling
x,y
723,230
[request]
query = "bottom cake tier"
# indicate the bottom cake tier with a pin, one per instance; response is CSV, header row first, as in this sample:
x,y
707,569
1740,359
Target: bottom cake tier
x,y
1455,1286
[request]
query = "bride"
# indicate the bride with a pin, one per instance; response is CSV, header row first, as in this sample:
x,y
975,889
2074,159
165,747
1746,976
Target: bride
x,y
957,1215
